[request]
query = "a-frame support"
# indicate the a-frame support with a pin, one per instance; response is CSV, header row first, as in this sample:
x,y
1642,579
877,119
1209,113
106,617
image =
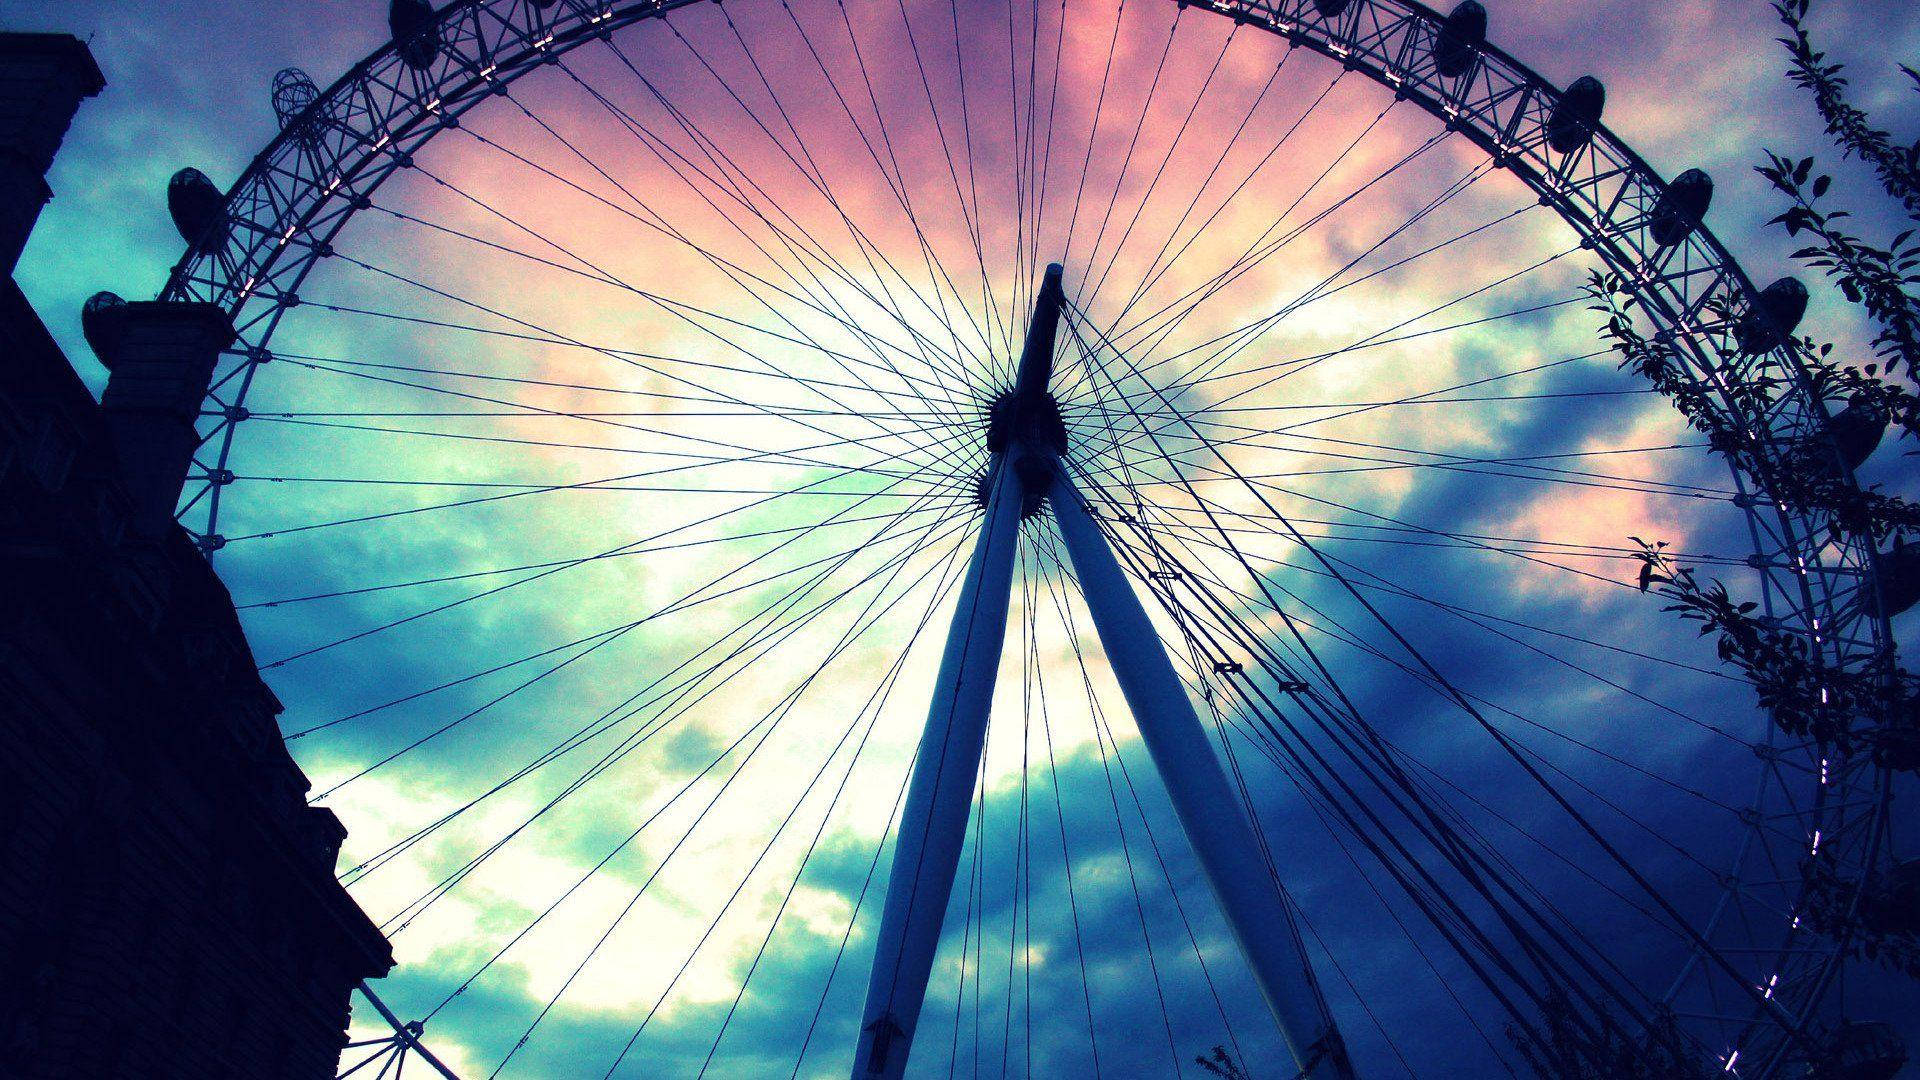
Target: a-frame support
x,y
1026,438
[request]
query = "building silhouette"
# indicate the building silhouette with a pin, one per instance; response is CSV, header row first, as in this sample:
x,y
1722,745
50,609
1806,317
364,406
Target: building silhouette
x,y
168,905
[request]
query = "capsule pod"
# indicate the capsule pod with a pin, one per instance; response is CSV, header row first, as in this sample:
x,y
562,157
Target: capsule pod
x,y
1576,114
1461,34
293,95
1680,208
199,210
1775,314
1899,580
103,319
1330,9
416,36
1857,430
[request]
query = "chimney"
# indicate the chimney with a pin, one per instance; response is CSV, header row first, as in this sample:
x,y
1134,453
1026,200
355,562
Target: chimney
x,y
43,79
163,360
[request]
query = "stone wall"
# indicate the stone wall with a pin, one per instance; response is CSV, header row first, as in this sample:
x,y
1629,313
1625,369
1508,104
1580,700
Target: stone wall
x,y
168,906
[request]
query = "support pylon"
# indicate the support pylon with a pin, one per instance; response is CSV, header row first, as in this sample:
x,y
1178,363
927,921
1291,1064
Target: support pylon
x,y
1258,912
1026,438
933,826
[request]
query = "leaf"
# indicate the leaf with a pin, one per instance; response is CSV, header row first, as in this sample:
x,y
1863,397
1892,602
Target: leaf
x,y
1821,185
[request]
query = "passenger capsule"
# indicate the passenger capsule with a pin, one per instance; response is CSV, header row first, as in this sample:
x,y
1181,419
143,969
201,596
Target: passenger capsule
x,y
199,210
1681,207
293,95
1775,314
1460,38
1330,9
1576,114
103,319
1899,580
415,34
1857,430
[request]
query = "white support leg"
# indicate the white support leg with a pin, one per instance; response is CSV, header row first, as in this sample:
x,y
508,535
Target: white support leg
x,y
1208,807
933,826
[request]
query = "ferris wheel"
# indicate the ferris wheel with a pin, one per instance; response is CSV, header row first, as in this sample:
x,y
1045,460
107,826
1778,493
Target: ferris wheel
x,y
662,436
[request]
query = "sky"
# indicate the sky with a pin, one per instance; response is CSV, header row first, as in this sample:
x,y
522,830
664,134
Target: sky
x,y
598,518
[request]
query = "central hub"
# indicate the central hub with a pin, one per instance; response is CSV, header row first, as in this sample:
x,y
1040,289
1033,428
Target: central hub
x,y
1032,426
1033,422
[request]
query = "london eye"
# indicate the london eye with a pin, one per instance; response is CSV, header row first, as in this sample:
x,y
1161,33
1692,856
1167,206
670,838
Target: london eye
x,y
887,538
